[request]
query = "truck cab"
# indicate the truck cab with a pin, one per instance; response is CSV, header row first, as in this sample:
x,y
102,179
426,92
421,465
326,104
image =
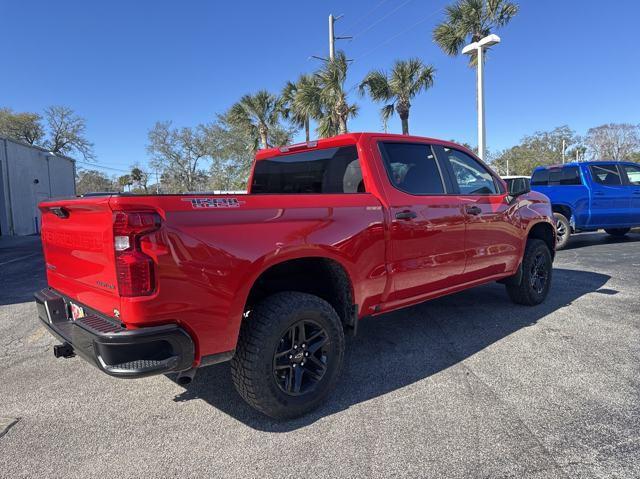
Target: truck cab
x,y
588,196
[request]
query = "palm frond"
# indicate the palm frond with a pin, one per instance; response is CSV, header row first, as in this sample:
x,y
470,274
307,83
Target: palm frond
x,y
473,20
386,112
377,83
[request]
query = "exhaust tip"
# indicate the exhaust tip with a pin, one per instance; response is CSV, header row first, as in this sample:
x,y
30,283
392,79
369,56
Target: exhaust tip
x,y
184,380
185,377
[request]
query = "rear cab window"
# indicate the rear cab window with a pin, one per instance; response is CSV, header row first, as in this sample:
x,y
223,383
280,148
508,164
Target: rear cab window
x,y
327,170
566,176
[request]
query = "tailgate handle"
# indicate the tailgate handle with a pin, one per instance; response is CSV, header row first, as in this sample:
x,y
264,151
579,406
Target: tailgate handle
x,y
59,211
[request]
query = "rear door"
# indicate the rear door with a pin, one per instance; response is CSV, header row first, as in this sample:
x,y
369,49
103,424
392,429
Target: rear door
x,y
610,199
493,242
426,223
631,177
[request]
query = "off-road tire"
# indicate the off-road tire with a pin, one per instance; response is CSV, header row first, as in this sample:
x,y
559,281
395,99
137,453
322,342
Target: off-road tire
x,y
563,230
525,292
617,232
261,332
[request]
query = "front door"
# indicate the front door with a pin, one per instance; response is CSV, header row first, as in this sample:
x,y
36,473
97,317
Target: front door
x,y
426,223
632,184
493,243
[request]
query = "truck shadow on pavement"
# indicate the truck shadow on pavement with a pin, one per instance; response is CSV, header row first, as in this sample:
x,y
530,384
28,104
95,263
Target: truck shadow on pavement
x,y
22,270
582,240
397,349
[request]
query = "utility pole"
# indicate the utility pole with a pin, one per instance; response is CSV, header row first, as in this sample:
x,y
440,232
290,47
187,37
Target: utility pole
x,y
564,145
332,39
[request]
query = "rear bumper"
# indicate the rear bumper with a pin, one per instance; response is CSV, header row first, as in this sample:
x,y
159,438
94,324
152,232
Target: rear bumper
x,y
113,349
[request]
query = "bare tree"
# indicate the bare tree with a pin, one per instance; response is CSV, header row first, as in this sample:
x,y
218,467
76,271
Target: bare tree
x,y
67,132
613,141
92,181
179,154
25,127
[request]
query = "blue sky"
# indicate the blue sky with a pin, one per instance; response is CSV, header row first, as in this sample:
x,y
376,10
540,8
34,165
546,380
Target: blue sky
x,y
124,65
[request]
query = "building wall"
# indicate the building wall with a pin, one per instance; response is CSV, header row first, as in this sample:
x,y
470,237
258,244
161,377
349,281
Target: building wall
x,y
30,175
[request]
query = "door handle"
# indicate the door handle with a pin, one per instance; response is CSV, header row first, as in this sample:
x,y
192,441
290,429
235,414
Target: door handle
x,y
473,210
637,192
406,215
598,193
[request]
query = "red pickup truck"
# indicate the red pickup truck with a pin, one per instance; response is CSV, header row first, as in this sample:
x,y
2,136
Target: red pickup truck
x,y
331,231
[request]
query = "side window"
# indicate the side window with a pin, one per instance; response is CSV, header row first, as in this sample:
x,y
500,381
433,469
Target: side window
x,y
606,175
412,168
540,177
329,170
472,178
633,174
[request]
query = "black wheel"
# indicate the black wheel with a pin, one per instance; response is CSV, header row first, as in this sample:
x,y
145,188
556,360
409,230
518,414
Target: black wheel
x,y
537,269
618,232
563,230
289,354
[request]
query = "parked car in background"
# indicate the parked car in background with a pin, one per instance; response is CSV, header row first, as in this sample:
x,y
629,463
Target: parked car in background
x,y
330,232
518,183
593,195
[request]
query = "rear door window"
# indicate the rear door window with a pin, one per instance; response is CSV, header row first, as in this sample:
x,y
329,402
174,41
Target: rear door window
x,y
412,168
606,175
329,170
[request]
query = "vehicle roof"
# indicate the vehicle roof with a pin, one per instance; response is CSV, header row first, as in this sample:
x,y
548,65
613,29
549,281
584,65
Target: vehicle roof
x,y
349,139
579,163
514,177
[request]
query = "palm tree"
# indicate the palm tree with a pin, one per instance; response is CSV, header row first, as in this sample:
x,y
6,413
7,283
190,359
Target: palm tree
x,y
329,98
475,18
294,104
256,115
407,79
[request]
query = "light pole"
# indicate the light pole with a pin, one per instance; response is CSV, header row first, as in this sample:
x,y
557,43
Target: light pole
x,y
478,47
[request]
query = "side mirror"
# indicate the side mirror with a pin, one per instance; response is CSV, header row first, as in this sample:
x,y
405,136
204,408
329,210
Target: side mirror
x,y
517,187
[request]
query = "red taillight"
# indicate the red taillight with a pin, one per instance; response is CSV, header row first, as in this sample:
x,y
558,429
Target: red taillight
x,y
134,269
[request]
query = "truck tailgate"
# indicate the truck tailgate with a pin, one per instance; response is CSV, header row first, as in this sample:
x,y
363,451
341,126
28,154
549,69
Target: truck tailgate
x,y
77,239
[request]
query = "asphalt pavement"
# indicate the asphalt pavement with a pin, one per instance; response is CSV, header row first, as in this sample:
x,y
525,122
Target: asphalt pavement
x,y
468,385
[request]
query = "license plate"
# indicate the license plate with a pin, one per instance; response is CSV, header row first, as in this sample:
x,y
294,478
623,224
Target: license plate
x,y
77,312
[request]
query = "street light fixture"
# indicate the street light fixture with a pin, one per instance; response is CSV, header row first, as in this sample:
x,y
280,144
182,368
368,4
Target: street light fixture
x,y
478,47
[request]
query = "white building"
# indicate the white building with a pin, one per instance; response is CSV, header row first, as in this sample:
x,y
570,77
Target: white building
x,y
28,175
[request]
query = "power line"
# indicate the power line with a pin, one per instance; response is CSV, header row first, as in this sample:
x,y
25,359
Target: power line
x,y
393,37
96,165
366,15
365,30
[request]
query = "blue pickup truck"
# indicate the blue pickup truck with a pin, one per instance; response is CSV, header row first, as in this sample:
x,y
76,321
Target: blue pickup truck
x,y
592,195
